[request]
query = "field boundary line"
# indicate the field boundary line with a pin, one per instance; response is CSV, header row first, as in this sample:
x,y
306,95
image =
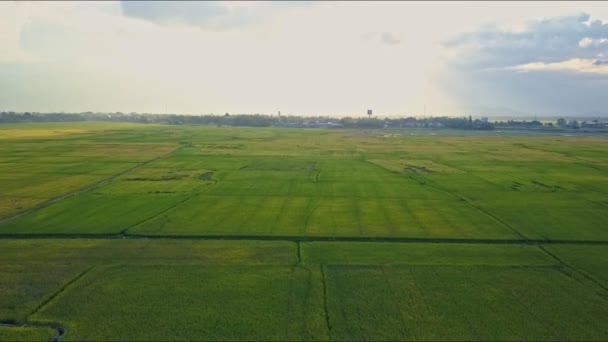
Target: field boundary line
x,y
474,206
298,254
61,290
295,238
496,218
573,269
171,207
93,186
124,231
311,207
327,322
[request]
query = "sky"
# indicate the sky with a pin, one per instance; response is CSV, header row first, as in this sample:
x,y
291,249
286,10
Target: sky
x,y
306,58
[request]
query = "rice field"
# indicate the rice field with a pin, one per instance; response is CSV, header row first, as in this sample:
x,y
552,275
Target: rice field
x,y
150,232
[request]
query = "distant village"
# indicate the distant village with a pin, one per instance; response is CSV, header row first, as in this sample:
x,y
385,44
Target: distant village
x,y
288,121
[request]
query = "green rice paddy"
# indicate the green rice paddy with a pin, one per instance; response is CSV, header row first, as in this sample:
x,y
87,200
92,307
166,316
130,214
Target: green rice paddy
x,y
150,232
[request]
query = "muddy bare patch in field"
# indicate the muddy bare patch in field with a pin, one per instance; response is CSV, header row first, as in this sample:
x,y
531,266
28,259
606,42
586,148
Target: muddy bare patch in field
x,y
416,169
552,188
516,186
414,166
281,166
206,176
225,147
157,179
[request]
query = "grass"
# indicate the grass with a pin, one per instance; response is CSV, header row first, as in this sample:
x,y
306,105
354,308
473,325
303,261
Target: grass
x,y
35,273
132,245
24,286
373,253
92,214
461,303
588,259
306,183
182,302
185,289
100,252
26,334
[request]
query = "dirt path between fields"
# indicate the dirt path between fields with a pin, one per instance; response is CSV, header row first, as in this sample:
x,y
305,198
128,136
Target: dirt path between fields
x,y
379,239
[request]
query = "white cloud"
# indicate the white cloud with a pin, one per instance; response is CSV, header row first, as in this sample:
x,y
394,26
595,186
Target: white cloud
x,y
589,42
513,26
257,57
214,15
578,65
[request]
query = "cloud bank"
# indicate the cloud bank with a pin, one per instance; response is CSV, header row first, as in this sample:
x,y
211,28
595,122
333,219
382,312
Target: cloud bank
x,y
305,58
207,14
549,66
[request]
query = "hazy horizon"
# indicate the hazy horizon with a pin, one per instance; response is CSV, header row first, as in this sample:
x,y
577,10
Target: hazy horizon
x,y
497,59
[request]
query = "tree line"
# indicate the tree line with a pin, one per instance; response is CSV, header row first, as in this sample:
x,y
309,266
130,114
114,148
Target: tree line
x,y
263,120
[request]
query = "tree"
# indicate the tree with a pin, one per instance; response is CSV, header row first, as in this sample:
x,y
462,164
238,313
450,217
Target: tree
x,y
561,122
574,124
